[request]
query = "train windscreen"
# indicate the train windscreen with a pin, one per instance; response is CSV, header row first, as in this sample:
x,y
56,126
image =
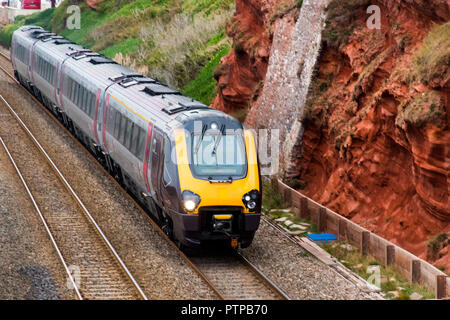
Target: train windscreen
x,y
221,154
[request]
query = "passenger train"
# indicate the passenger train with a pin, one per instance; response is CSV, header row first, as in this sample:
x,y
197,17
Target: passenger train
x,y
194,168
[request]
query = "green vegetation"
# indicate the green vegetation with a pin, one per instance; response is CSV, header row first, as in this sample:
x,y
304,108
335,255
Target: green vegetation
x,y
432,61
275,207
391,279
284,7
203,87
428,107
125,47
341,20
271,198
179,42
436,243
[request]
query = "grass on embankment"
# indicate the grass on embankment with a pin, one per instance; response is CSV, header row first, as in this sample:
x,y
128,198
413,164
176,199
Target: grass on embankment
x,y
391,279
179,42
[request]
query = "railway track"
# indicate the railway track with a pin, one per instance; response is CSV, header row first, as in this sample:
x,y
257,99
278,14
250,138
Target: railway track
x,y
85,252
229,275
236,278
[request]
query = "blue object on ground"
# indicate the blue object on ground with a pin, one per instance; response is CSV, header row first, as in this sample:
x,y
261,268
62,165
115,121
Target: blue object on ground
x,y
322,237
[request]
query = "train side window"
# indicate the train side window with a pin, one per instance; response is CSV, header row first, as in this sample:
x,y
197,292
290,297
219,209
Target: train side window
x,y
128,132
116,124
45,65
123,124
74,89
141,144
80,96
88,102
135,140
45,69
77,93
69,87
84,104
38,66
52,79
41,67
74,92
92,105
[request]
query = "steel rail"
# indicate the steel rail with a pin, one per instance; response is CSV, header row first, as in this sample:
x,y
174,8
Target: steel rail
x,y
44,222
77,199
263,278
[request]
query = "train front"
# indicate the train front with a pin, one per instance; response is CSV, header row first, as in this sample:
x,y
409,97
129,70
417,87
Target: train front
x,y
219,181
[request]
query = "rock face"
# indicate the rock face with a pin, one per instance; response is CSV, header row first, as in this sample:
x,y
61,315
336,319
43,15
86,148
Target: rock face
x,y
245,67
376,141
371,138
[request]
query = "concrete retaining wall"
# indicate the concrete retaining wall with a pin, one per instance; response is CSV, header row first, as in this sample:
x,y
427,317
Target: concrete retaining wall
x,y
387,253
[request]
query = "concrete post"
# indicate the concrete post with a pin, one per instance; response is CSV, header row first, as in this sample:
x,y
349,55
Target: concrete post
x,y
390,255
365,238
441,286
415,271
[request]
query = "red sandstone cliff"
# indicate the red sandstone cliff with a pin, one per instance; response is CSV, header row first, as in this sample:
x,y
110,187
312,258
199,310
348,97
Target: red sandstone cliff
x,y
376,136
242,71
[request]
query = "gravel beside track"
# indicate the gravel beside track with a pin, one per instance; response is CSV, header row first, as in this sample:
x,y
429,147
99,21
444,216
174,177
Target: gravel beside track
x,y
29,266
156,265
298,274
100,275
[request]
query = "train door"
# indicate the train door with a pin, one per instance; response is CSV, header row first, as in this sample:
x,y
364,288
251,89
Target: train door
x,y
157,162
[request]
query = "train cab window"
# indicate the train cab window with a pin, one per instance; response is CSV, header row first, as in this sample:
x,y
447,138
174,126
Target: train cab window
x,y
219,155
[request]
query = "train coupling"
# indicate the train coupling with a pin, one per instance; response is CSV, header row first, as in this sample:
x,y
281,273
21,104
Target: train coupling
x,y
223,223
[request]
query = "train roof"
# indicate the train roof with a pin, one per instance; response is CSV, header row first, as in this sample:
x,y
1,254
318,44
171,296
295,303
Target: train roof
x,y
150,99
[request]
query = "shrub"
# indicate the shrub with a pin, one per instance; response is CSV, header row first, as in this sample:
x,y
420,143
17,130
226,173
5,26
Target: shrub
x,y
428,107
341,20
432,61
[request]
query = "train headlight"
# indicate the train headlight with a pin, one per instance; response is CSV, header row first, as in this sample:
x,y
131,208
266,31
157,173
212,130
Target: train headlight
x,y
190,200
189,205
251,200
